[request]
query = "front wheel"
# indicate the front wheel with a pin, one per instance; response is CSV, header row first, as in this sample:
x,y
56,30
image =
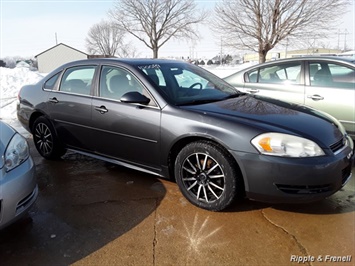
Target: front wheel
x,y
206,175
45,139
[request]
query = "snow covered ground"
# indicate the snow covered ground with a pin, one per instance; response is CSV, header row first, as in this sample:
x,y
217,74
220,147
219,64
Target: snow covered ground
x,y
11,81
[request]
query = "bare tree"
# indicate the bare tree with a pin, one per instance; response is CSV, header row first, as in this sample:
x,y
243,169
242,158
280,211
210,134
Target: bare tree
x,y
259,25
127,50
104,38
155,22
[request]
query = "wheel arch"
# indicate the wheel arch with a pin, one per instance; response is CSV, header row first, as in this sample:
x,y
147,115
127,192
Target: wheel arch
x,y
34,117
178,145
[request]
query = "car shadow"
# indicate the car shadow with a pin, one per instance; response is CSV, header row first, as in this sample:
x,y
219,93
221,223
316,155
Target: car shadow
x,y
83,205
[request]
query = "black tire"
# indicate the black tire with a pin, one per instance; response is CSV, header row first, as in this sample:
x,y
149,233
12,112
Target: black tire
x,y
46,140
206,175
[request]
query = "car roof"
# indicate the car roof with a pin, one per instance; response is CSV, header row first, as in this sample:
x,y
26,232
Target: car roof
x,y
346,60
128,61
309,58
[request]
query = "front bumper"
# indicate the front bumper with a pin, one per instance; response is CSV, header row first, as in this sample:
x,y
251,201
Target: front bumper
x,y
18,192
294,180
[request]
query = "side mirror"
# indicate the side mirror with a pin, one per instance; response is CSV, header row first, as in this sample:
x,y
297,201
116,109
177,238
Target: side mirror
x,y
134,97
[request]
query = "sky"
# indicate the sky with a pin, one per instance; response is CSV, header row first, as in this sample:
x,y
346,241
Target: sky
x,y
29,27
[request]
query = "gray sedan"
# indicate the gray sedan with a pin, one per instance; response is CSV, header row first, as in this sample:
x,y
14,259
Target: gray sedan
x,y
176,120
18,187
324,83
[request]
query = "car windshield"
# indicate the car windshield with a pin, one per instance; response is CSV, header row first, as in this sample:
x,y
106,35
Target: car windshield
x,y
184,84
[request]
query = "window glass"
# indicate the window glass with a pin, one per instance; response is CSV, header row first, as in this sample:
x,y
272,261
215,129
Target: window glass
x,y
115,82
342,76
185,84
331,75
156,76
187,79
283,73
49,85
78,80
253,76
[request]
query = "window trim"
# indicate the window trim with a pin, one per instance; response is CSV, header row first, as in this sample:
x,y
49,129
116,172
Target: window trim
x,y
120,67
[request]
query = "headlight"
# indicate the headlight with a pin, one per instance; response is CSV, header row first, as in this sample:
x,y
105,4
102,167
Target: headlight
x,y
16,152
278,144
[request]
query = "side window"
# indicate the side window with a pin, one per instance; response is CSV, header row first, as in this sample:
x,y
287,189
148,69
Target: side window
x,y
290,73
331,75
342,76
283,73
115,82
253,76
78,80
269,75
50,83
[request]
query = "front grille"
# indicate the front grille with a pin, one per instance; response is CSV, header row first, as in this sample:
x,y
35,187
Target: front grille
x,y
338,145
290,189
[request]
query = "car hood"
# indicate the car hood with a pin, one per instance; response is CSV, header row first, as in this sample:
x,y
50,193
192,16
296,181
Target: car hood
x,y
6,133
272,115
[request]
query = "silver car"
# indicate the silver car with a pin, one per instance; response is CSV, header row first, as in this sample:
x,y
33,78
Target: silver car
x,y
18,187
324,83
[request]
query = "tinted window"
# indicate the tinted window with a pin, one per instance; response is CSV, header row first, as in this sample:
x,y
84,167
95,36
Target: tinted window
x,y
50,83
78,80
115,82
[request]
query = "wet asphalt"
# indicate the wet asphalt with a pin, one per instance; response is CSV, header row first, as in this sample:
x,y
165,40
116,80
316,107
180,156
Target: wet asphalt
x,y
91,212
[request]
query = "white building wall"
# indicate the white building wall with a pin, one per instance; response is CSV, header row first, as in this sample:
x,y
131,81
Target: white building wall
x,y
57,56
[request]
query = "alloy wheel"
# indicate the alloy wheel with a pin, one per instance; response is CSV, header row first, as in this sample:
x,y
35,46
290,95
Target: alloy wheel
x,y
203,177
43,138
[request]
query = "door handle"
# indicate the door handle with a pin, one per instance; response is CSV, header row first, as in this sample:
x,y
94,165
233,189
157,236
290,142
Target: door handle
x,y
53,100
252,90
315,97
102,109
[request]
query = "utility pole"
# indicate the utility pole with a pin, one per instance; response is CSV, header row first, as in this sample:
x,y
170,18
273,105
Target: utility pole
x,y
342,33
345,33
56,39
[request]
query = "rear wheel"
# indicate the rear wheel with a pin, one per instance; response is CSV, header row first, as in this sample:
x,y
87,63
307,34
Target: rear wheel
x,y
45,139
206,175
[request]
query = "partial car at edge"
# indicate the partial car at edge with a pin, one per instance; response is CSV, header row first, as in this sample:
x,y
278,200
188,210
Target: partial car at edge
x,y
176,120
18,187
323,83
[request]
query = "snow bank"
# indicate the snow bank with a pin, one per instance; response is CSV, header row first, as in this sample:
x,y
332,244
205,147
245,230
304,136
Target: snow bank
x,y
11,81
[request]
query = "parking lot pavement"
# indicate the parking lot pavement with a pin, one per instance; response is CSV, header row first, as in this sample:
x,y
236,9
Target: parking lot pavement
x,y
93,213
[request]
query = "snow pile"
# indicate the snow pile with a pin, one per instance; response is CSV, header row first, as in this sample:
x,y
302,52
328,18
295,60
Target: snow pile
x,y
11,81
